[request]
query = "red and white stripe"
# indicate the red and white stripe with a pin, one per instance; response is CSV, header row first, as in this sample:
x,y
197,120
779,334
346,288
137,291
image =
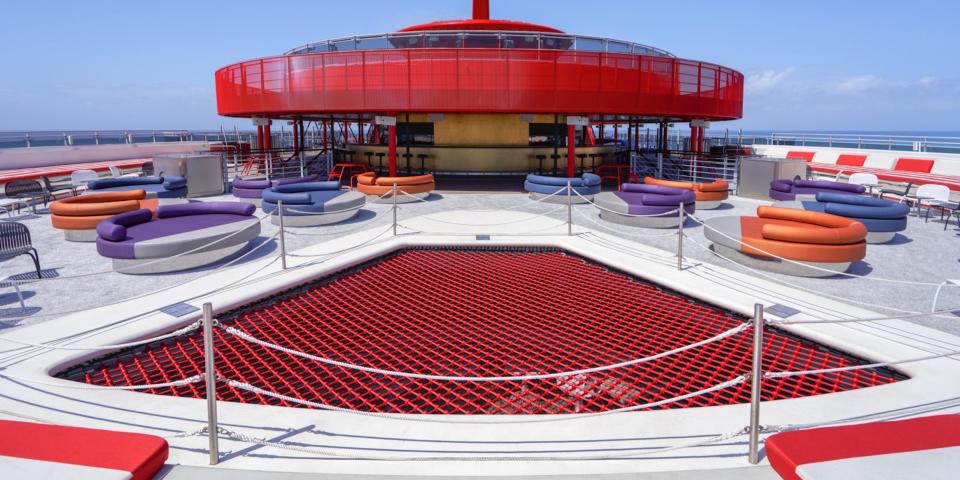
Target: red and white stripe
x,y
33,451
927,447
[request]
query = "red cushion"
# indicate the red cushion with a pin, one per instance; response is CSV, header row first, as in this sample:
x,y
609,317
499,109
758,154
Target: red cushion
x,y
850,159
789,450
141,455
914,165
805,156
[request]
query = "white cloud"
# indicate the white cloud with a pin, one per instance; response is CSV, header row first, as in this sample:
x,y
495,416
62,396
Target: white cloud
x,y
858,84
767,79
927,81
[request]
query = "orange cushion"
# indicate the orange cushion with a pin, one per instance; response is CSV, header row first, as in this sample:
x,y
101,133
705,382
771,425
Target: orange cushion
x,y
668,183
77,223
797,155
414,180
383,189
914,165
851,160
714,186
752,230
712,196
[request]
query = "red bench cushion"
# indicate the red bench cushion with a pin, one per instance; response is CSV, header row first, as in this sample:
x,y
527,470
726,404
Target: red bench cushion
x,y
922,165
850,159
139,455
797,155
791,450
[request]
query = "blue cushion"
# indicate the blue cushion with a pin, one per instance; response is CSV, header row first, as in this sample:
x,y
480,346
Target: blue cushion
x,y
553,189
123,182
306,187
174,183
883,224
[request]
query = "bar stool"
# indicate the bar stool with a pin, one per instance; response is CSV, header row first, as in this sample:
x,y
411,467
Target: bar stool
x,y
540,159
583,160
407,157
380,156
423,159
369,156
556,162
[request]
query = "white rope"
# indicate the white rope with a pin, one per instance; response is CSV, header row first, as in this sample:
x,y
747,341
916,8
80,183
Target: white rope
x,y
857,367
189,328
448,420
82,386
515,378
519,457
595,204
630,234
814,267
517,207
344,250
534,215
861,320
362,226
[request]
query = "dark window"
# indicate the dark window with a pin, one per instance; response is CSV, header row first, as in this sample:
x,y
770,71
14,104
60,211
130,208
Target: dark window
x,y
547,134
415,133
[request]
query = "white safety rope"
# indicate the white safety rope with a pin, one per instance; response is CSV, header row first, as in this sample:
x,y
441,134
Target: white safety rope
x,y
83,386
511,222
514,378
450,420
858,367
176,333
595,204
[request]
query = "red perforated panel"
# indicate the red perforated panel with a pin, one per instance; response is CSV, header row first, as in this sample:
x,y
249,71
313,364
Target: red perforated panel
x,y
483,313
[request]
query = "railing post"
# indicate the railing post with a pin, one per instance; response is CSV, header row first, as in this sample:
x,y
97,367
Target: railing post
x,y
283,241
756,376
659,164
569,208
28,139
211,375
394,209
681,214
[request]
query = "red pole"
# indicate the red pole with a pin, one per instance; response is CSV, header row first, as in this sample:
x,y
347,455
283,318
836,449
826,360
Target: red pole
x,y
259,137
481,9
571,149
392,135
693,139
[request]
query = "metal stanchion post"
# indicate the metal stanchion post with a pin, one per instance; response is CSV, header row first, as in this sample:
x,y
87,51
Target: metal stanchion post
x,y
211,375
283,242
756,375
682,215
394,209
569,208
659,164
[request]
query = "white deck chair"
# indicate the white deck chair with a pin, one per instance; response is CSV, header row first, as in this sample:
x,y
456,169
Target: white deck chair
x,y
863,179
80,178
928,196
117,173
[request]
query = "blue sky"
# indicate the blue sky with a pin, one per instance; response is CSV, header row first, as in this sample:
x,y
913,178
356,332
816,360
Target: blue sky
x,y
814,65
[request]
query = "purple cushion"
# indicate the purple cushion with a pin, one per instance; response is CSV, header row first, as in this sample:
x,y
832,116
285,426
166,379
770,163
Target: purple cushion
x,y
637,203
287,181
124,248
251,184
781,185
654,189
205,208
248,192
115,227
828,185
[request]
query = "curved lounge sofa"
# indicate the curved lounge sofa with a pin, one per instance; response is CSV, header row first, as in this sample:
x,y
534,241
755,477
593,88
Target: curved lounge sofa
x,y
78,216
210,232
658,205
410,188
821,240
709,195
311,204
553,189
252,190
799,189
882,218
155,187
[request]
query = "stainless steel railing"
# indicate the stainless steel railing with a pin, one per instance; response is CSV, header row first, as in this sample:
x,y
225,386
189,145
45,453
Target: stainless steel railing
x,y
478,39
117,137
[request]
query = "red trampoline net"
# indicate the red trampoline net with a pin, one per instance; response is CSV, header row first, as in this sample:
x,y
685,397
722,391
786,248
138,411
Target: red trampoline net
x,y
482,312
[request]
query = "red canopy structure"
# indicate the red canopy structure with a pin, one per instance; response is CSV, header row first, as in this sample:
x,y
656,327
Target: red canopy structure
x,y
481,67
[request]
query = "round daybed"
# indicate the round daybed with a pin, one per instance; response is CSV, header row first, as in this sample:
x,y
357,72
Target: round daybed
x,y
817,239
311,204
78,216
541,187
709,195
211,232
882,218
798,189
410,189
252,190
155,187
659,205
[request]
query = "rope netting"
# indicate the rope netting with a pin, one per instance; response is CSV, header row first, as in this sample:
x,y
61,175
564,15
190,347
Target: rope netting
x,y
481,313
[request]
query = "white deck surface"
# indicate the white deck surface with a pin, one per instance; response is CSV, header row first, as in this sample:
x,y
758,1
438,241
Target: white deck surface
x,y
926,253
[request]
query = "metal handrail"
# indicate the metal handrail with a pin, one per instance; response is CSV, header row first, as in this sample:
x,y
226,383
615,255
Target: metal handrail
x,y
554,41
21,139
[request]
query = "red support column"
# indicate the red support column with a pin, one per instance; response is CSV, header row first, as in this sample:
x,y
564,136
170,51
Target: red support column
x,y
392,135
571,149
693,139
259,137
267,141
481,9
363,139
